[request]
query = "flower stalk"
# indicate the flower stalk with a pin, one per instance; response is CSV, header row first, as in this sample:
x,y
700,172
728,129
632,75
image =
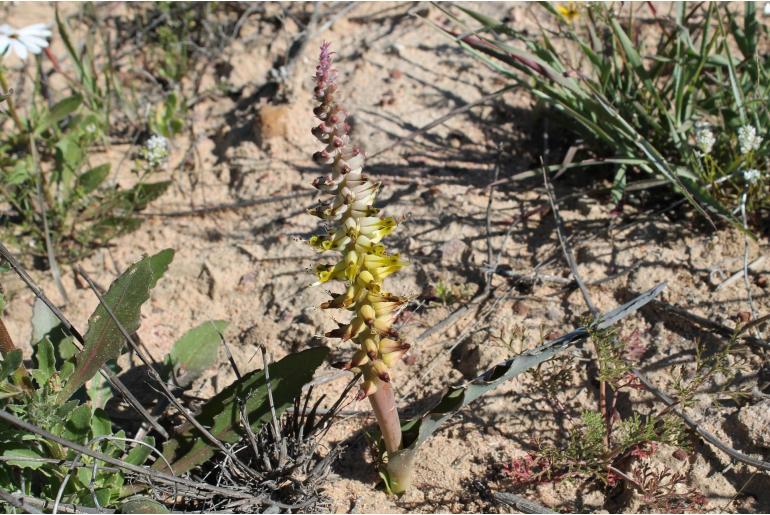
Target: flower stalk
x,y
354,232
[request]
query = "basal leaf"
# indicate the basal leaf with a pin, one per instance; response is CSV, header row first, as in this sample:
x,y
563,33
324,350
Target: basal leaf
x,y
221,414
103,340
418,430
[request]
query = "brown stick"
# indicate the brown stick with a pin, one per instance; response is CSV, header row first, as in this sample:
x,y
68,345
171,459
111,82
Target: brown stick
x,y
604,387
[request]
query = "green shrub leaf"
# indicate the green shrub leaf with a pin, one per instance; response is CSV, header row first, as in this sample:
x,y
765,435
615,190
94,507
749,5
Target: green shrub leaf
x,y
17,451
78,423
90,180
43,321
11,361
142,194
197,350
139,454
100,423
45,360
142,505
58,112
103,340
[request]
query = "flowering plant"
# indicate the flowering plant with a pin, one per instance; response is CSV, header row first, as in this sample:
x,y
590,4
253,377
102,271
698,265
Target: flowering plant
x,y
28,40
355,232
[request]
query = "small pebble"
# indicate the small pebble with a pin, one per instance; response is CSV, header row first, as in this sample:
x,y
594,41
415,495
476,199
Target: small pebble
x,y
520,309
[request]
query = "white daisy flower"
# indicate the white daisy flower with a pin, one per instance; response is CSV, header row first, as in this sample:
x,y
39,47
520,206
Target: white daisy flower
x,y
29,40
748,139
752,176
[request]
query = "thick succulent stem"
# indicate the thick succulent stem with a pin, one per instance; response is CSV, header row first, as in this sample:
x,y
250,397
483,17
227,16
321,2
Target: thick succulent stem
x,y
384,405
399,469
400,463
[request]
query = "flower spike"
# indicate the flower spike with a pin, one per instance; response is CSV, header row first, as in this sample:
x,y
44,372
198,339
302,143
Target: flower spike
x,y
355,235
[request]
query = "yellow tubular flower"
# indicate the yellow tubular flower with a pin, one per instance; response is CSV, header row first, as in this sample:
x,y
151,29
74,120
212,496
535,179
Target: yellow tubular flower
x,y
355,233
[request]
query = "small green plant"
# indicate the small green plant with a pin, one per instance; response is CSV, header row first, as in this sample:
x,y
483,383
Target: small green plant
x,y
62,204
448,293
668,114
58,406
168,119
605,448
44,396
174,39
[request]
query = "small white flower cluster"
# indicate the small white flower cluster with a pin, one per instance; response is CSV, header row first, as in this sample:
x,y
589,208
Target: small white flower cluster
x,y
752,176
156,151
29,40
704,138
748,139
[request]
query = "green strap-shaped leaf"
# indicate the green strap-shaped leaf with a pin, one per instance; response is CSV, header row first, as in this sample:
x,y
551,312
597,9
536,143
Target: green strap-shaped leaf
x,y
221,414
418,430
103,340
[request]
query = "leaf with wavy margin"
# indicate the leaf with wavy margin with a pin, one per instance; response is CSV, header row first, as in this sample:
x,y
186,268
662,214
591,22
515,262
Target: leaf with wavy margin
x,y
417,430
103,340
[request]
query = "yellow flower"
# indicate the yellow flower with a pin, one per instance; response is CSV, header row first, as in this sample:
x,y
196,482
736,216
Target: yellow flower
x,y
569,11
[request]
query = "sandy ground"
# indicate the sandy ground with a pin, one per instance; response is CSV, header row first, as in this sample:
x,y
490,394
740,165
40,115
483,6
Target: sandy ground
x,y
250,265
